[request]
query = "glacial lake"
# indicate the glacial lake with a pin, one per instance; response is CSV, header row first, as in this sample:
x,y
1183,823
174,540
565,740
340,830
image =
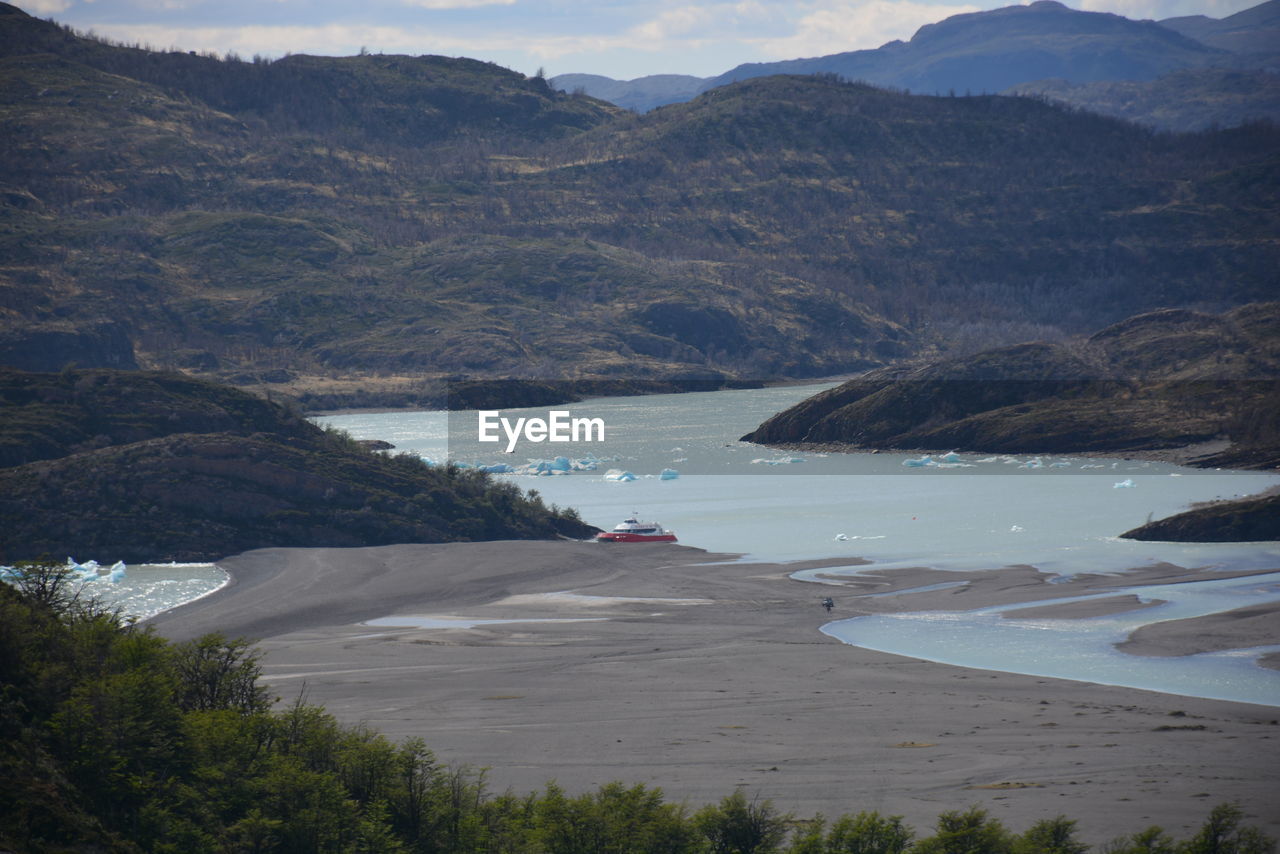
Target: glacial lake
x,y
963,512
1060,514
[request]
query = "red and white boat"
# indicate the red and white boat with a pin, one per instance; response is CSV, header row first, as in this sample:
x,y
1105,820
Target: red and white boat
x,y
633,531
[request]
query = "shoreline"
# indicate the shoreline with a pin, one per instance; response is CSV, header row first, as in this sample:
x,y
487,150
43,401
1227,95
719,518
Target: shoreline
x,y
696,673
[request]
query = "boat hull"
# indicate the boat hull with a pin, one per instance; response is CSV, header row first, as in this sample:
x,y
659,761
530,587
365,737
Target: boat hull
x,y
622,537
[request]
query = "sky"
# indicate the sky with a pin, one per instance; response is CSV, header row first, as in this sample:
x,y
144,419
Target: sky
x,y
623,39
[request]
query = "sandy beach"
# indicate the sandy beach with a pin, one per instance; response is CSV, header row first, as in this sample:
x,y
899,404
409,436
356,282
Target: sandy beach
x,y
697,673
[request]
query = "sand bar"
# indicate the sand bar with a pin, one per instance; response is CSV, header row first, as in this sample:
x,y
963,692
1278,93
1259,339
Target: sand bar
x,y
730,685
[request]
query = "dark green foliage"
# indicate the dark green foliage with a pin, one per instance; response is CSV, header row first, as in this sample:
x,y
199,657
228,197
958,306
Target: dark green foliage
x,y
1050,836
112,739
217,673
868,833
1153,840
969,832
740,826
1223,834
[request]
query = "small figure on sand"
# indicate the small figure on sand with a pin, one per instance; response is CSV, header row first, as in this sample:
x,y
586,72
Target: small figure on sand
x,y
828,603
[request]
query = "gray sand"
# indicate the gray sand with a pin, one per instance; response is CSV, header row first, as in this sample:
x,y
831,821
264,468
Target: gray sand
x,y
730,685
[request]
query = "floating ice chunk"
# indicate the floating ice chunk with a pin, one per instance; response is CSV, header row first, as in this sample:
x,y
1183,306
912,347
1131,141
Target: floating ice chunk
x,y
1016,529
951,457
1036,463
669,474
619,476
1092,466
117,572
498,468
1060,464
680,460
988,459
1127,483
926,460
840,538
560,464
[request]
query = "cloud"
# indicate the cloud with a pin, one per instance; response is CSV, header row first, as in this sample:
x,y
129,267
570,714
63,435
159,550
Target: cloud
x,y
1159,9
330,39
45,7
677,22
846,26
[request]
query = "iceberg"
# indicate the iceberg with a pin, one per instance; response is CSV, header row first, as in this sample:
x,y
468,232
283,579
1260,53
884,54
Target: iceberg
x,y
951,457
619,476
779,461
668,474
1127,483
498,468
926,460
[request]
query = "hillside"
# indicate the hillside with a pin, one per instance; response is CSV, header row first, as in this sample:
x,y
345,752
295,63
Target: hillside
x,y
1255,30
151,467
1248,520
1163,380
1187,100
446,219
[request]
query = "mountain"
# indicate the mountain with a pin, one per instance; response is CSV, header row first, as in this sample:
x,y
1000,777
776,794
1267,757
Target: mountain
x,y
1252,31
448,220
1189,100
1220,73
141,466
995,50
641,94
1161,380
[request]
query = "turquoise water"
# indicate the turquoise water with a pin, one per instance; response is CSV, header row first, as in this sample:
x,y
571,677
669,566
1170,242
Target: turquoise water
x,y
141,590
1061,515
1084,648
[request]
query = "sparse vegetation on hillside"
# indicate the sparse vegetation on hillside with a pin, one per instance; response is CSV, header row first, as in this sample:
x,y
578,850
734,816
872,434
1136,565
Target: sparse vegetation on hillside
x,y
450,218
1161,380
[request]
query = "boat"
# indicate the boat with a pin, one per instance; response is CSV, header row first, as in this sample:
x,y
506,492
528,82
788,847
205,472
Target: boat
x,y
634,531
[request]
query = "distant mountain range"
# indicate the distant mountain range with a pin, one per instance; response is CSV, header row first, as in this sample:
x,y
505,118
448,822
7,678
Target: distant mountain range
x,y
1047,49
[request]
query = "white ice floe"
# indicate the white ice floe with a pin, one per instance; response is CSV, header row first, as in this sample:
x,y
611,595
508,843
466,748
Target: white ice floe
x,y
1127,483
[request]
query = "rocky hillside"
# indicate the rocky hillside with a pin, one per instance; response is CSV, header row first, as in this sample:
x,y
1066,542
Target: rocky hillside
x,y
1247,520
341,227
1162,380
148,467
